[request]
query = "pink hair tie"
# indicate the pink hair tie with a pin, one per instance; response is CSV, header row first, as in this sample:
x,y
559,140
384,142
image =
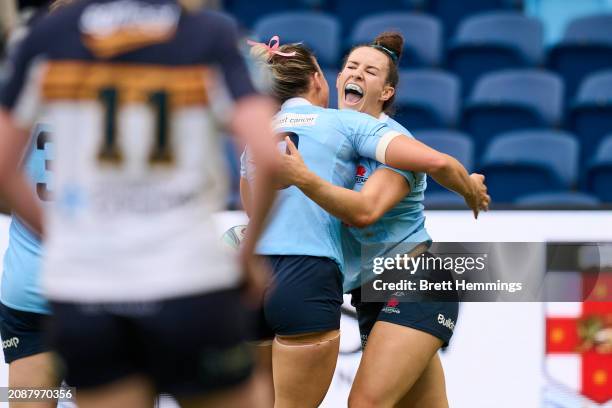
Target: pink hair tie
x,y
272,47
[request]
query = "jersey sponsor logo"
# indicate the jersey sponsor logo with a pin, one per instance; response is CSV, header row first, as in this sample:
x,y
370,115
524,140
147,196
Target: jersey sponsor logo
x,y
295,120
9,343
361,174
392,306
448,323
117,27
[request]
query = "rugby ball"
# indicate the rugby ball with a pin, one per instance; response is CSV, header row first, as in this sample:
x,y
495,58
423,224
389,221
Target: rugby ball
x,y
234,236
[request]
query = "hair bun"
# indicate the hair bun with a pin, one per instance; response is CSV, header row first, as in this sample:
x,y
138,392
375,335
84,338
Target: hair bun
x,y
391,40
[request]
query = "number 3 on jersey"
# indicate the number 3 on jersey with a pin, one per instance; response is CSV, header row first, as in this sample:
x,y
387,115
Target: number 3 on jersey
x,y
41,161
110,152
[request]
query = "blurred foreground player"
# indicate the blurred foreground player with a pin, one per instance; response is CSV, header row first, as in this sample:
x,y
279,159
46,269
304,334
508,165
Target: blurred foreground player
x,y
23,310
145,298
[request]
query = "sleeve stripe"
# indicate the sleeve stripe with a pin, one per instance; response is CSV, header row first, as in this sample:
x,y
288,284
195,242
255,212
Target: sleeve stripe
x,y
381,148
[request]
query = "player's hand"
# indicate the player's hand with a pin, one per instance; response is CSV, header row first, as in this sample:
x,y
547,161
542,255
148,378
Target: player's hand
x,y
293,169
478,200
256,277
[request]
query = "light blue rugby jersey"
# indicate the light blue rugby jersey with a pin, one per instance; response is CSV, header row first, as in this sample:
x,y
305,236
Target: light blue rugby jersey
x,y
404,224
331,142
22,260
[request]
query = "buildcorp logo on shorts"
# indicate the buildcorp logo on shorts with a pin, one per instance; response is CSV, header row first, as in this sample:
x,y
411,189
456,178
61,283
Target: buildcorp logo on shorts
x,y
12,342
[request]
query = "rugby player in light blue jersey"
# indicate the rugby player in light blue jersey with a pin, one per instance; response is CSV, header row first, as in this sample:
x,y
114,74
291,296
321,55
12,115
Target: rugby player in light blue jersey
x,y
302,241
23,310
400,366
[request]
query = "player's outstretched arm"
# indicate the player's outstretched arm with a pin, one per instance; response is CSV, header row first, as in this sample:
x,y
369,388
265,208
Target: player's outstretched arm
x,y
357,208
14,187
410,154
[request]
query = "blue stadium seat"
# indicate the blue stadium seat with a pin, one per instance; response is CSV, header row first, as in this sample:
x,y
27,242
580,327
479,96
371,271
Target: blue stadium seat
x,y
319,31
247,12
452,12
422,35
351,11
599,174
494,41
530,161
512,100
451,142
591,116
427,99
557,14
558,201
586,48
330,76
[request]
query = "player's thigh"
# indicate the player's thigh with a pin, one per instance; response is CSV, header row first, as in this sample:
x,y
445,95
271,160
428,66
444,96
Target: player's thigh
x,y
243,395
133,391
429,390
393,360
35,371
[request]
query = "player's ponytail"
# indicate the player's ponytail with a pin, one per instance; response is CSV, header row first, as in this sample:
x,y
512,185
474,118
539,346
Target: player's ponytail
x,y
289,66
391,43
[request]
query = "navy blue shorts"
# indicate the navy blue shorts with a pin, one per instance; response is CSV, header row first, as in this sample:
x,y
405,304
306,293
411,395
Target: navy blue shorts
x,y
22,333
429,314
186,346
435,318
305,297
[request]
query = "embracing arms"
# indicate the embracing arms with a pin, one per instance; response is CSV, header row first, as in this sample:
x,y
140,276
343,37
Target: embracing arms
x,y
385,188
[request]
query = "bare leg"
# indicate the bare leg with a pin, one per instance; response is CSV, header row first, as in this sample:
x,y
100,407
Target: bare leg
x,y
33,372
393,360
244,395
429,390
133,392
303,368
263,374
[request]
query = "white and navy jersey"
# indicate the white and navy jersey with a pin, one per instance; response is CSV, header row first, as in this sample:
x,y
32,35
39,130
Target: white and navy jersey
x,y
138,168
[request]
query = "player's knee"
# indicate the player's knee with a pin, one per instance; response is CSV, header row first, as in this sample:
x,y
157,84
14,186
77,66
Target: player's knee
x,y
309,339
359,398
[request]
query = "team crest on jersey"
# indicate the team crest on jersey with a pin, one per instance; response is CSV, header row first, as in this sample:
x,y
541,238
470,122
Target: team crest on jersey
x,y
361,174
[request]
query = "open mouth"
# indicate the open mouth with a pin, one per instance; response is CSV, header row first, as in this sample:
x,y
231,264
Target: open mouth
x,y
353,94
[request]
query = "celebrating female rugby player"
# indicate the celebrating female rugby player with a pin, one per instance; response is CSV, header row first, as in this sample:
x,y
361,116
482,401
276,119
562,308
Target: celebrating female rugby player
x,y
303,241
399,366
